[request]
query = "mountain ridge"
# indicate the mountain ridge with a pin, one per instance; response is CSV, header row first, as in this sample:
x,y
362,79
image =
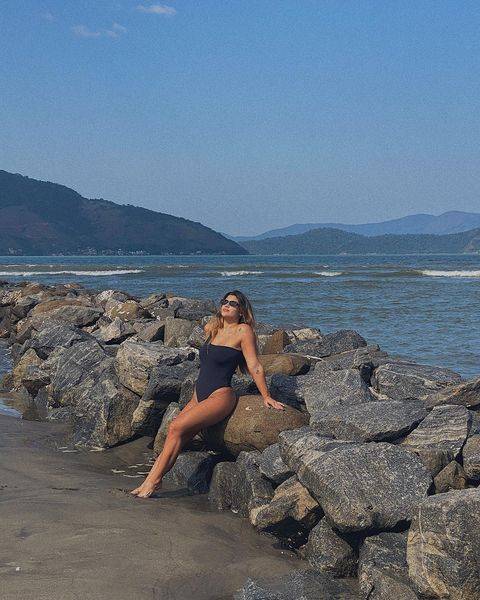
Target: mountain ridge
x,y
45,218
452,221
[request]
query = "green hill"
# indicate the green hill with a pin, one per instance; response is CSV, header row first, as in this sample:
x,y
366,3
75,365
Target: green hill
x,y
42,218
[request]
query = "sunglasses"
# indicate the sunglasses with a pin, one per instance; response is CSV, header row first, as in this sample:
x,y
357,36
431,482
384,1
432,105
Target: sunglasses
x,y
233,303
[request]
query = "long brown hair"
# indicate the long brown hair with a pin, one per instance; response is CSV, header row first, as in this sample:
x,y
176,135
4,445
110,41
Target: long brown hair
x,y
246,316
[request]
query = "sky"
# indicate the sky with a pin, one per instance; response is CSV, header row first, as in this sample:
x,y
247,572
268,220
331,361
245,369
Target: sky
x,y
247,116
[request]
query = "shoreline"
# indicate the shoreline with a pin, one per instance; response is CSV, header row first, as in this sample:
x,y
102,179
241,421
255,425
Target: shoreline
x,y
370,451
69,531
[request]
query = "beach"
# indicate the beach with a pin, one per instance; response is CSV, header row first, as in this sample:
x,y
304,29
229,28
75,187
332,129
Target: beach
x,y
70,531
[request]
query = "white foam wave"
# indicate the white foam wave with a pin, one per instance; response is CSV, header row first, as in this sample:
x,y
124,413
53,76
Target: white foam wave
x,y
88,273
328,273
432,273
230,273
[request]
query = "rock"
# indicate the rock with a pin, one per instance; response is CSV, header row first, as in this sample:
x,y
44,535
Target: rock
x,y
401,381
102,408
48,306
332,343
29,359
192,309
325,392
301,584
451,477
102,298
331,552
290,514
152,332
383,482
115,332
172,410
164,386
298,447
466,394
55,334
272,466
177,331
304,333
443,545
440,436
221,485
252,426
134,360
353,359
126,311
471,458
284,363
371,421
250,489
193,470
153,300
383,569
276,342
71,366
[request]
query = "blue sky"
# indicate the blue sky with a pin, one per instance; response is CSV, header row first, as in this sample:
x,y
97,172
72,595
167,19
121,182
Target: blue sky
x,y
247,115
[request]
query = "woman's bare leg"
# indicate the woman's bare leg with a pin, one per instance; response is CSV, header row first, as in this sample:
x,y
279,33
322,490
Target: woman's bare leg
x,y
182,429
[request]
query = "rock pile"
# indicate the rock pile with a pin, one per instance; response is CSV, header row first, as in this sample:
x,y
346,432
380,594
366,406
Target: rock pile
x,y
371,473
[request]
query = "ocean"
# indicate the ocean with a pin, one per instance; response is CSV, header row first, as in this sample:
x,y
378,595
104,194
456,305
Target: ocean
x,y
420,307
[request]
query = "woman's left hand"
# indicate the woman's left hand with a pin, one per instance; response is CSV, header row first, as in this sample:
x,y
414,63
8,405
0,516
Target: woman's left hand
x,y
269,401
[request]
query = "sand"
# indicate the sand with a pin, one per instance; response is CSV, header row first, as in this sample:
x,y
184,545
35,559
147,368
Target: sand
x,y
70,531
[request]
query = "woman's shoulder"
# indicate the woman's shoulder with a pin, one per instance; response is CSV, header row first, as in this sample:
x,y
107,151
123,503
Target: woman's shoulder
x,y
245,329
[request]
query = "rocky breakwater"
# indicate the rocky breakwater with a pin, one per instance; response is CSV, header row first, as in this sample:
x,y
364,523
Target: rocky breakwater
x,y
371,473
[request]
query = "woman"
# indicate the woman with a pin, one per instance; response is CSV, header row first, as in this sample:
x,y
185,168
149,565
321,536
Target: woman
x,y
232,328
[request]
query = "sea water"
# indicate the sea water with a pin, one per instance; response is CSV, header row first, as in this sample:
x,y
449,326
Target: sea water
x,y
420,307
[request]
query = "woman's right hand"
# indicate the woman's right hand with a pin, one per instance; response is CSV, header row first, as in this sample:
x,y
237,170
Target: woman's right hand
x,y
269,401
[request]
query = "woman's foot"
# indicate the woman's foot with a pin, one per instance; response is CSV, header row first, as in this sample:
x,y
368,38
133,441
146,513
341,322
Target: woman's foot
x,y
146,489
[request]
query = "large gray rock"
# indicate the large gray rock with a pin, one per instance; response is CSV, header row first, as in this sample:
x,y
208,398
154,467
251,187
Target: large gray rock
x,y
355,359
467,394
331,551
192,309
73,365
193,470
222,484
102,408
304,445
177,331
250,488
326,391
272,466
383,482
301,584
332,343
440,436
115,332
383,569
401,380
443,546
471,458
290,514
54,334
451,477
371,421
163,387
134,360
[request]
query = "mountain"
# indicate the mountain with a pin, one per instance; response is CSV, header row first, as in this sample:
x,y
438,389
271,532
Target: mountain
x,y
335,241
41,218
448,222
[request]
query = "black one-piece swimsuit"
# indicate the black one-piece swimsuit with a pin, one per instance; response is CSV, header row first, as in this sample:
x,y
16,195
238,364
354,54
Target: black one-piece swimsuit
x,y
217,365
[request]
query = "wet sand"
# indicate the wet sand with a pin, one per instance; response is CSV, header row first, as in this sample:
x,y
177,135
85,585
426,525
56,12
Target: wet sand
x,y
70,531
